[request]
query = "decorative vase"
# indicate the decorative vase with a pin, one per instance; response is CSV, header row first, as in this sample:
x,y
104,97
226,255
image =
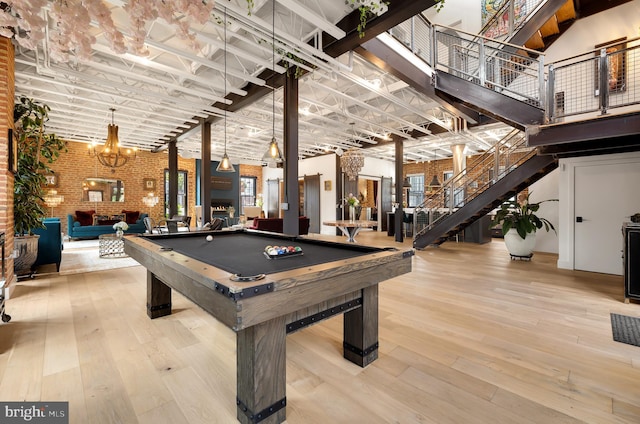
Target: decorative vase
x,y
119,233
517,246
352,213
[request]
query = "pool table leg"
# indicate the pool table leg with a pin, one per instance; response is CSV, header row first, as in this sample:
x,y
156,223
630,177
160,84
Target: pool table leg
x,y
158,297
361,329
261,371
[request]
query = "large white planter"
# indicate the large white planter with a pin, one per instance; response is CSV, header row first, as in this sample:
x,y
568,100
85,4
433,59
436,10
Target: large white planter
x,y
517,246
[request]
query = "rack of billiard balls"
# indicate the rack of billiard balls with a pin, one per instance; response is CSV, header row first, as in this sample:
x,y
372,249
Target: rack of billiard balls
x,y
277,252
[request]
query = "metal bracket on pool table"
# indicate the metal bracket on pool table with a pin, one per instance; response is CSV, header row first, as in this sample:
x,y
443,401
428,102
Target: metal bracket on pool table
x,y
244,293
312,319
265,413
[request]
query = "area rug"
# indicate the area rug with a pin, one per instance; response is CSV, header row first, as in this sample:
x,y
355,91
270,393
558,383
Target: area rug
x,y
82,256
626,329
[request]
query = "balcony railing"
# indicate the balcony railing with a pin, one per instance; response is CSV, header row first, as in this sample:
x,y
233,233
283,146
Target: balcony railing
x,y
569,87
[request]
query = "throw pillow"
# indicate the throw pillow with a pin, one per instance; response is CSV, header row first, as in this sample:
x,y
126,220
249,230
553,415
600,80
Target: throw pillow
x,y
131,216
117,217
85,217
97,218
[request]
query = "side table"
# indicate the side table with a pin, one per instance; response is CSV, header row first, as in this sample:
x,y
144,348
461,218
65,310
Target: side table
x,y
111,246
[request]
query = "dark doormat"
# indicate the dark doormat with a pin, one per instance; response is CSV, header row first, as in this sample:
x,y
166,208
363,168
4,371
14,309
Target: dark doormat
x,y
626,329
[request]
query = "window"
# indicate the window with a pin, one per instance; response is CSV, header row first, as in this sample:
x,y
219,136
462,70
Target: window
x,y
248,191
458,193
182,193
416,192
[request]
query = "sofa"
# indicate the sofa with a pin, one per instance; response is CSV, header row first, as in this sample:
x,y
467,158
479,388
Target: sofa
x,y
49,244
275,225
88,224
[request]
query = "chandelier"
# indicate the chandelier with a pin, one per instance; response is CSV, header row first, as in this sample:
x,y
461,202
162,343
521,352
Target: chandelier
x,y
111,155
352,162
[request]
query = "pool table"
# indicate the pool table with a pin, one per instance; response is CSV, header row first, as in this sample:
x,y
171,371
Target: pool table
x,y
264,298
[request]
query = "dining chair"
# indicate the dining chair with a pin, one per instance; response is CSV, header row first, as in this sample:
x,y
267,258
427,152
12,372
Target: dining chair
x,y
172,226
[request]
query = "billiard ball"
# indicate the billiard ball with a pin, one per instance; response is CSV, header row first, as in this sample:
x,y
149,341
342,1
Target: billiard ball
x,y
209,238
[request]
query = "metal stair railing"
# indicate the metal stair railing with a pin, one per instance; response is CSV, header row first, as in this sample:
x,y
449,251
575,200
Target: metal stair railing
x,y
512,70
483,171
563,88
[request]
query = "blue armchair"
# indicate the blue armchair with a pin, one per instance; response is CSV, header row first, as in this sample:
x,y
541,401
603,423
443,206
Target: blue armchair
x,y
50,244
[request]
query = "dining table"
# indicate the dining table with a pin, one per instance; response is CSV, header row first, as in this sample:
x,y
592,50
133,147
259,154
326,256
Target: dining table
x,y
351,228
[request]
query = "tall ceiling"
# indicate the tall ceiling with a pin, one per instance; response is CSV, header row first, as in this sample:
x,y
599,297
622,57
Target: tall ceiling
x,y
343,102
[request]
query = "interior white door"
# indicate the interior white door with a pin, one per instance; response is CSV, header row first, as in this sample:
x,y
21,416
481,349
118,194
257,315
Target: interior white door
x,y
605,196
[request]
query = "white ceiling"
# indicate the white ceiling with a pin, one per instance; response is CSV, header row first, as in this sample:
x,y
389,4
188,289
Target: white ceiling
x,y
344,102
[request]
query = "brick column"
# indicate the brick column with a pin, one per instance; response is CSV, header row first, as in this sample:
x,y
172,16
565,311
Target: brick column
x,y
7,92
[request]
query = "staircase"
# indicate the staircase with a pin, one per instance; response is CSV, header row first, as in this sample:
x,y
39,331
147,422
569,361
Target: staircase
x,y
507,168
474,77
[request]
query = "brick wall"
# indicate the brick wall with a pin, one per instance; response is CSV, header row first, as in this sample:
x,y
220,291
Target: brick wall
x,y
428,169
74,166
7,90
438,167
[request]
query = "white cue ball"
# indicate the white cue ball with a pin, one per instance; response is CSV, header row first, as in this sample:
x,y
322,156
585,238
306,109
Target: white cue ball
x,y
209,238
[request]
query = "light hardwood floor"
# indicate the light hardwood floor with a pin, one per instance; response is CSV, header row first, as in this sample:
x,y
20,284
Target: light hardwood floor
x,y
468,337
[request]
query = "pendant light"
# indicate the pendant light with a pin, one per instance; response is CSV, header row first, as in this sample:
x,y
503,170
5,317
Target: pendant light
x,y
434,181
273,153
225,164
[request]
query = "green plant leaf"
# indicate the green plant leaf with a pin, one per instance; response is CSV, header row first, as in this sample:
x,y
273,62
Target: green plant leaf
x,y
36,150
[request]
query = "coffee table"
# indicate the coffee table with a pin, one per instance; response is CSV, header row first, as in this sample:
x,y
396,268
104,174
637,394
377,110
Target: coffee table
x,y
111,246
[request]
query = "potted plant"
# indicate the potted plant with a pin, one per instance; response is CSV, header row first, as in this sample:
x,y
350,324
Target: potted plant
x,y
35,151
519,225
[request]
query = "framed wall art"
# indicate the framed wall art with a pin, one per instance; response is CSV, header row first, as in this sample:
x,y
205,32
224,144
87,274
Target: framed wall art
x,y
617,63
149,184
52,181
95,195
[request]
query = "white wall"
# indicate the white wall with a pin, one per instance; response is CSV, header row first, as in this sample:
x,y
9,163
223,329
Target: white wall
x,y
566,210
378,168
545,189
326,166
460,14
579,38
